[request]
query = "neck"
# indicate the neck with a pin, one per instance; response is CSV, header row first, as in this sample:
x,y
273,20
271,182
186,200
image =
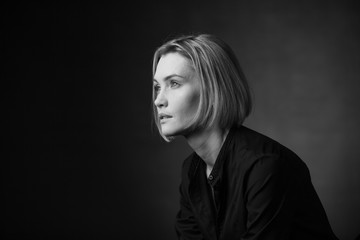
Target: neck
x,y
207,143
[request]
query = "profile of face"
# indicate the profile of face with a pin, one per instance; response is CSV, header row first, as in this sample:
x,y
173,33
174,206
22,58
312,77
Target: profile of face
x,y
177,91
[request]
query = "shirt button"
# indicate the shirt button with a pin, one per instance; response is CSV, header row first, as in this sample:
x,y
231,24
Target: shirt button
x,y
211,177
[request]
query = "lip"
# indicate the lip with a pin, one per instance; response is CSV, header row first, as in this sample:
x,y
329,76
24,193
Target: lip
x,y
164,117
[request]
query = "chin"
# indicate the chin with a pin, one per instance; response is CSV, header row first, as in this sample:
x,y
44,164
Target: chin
x,y
174,131
169,131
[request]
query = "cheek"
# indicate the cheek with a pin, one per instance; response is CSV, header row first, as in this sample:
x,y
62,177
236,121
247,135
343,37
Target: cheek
x,y
192,103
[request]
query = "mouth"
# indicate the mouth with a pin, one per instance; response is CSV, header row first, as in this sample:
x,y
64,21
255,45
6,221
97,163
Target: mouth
x,y
163,117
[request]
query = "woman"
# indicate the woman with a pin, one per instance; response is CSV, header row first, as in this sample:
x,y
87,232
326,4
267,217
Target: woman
x,y
237,184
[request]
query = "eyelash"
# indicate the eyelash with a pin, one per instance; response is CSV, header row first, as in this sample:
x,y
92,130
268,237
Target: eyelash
x,y
172,83
156,88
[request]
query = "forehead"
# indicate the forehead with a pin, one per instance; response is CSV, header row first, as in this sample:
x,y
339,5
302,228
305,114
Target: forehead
x,y
173,63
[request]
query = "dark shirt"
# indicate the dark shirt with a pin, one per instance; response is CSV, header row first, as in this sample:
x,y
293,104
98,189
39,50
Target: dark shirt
x,y
257,189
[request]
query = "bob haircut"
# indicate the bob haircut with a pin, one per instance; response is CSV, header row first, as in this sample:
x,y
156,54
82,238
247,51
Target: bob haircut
x,y
225,97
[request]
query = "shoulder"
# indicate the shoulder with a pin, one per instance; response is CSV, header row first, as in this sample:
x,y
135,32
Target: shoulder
x,y
189,166
258,159
256,142
253,150
187,161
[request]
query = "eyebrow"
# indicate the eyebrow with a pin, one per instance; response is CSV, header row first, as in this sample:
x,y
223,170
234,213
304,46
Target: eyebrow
x,y
170,76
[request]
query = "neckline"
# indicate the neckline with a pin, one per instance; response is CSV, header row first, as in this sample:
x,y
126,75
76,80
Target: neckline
x,y
215,172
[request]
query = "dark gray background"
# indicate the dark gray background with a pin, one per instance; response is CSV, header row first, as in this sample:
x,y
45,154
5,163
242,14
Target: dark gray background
x,y
80,159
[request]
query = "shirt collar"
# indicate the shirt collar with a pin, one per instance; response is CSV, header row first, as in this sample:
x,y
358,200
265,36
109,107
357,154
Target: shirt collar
x,y
216,171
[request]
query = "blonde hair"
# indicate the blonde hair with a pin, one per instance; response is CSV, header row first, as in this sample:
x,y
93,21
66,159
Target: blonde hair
x,y
225,96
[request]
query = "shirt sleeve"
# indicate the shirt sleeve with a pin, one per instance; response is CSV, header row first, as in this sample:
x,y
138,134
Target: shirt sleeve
x,y
186,226
267,201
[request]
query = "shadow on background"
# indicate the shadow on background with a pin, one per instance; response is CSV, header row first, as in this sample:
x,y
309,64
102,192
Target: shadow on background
x,y
80,158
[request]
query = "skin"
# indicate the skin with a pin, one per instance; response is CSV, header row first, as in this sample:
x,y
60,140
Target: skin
x,y
178,95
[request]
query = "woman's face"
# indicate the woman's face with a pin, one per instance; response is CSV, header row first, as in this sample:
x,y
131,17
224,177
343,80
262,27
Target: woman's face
x,y
178,93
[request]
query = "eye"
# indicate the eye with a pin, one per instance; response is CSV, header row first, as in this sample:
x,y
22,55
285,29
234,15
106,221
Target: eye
x,y
156,88
174,84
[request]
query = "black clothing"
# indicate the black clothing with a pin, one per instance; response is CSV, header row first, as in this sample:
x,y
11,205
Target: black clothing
x,y
258,189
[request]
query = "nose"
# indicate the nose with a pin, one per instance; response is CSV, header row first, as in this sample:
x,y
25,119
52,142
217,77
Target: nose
x,y
160,100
